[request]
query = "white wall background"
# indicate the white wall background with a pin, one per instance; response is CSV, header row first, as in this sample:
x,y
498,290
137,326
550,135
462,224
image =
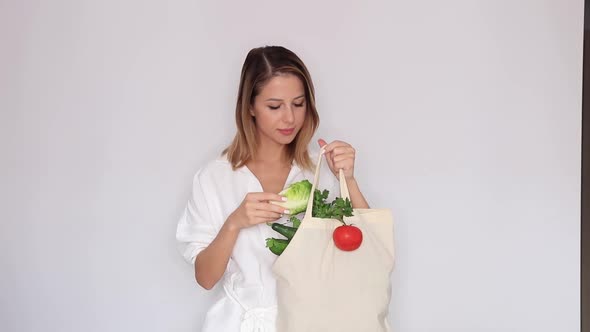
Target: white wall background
x,y
466,116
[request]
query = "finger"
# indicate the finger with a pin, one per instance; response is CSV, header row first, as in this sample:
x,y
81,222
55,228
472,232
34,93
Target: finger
x,y
345,165
334,144
267,214
338,150
343,149
322,142
271,207
329,147
343,157
263,220
256,221
264,196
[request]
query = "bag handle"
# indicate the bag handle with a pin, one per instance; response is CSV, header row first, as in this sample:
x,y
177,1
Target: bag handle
x,y
316,180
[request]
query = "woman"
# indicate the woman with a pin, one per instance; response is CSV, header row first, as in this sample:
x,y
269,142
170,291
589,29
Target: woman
x,y
223,228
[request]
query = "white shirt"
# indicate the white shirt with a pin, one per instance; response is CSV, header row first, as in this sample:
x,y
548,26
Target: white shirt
x,y
248,302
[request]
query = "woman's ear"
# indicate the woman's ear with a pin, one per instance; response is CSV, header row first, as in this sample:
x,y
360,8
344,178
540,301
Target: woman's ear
x,y
251,111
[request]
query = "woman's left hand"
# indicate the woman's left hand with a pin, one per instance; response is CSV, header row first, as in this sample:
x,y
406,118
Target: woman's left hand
x,y
340,155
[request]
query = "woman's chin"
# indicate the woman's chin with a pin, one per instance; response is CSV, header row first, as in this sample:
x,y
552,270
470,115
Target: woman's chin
x,y
287,141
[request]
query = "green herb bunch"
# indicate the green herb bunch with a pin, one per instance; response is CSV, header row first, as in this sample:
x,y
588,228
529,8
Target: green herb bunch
x,y
337,209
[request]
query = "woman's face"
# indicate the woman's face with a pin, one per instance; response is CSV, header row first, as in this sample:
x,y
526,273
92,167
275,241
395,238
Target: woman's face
x,y
279,109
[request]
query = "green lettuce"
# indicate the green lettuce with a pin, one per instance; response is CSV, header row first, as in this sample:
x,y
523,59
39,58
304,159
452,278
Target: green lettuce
x,y
297,197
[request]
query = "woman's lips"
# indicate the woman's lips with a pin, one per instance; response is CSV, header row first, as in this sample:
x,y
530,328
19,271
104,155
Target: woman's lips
x,y
286,131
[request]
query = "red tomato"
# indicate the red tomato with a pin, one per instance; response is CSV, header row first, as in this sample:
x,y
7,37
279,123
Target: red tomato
x,y
347,237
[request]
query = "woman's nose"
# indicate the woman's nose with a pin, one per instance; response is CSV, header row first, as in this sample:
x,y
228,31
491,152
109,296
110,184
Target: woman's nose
x,y
288,115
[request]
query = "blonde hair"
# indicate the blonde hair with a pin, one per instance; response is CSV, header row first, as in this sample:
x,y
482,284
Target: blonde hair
x,y
262,64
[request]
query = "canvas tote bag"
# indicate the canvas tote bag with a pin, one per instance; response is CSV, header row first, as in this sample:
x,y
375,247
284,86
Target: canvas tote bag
x,y
323,289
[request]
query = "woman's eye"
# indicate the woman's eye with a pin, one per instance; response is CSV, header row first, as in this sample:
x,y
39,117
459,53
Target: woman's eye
x,y
277,107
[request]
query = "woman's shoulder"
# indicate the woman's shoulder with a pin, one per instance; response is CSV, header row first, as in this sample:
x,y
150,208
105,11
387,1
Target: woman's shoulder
x,y
217,169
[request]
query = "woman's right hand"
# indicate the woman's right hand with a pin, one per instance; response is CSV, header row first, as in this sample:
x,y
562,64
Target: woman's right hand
x,y
256,209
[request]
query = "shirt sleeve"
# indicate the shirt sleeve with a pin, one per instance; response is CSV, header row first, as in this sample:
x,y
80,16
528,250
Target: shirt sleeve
x,y
195,230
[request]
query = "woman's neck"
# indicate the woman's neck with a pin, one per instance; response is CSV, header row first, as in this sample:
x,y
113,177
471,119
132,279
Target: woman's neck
x,y
272,152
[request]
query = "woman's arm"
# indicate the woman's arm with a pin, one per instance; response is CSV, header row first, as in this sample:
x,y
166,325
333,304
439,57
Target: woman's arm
x,y
211,263
356,197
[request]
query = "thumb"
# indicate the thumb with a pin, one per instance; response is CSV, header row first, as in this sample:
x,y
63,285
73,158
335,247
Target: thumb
x,y
321,142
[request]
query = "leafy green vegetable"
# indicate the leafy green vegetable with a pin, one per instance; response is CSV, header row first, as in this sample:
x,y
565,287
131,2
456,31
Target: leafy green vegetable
x,y
295,221
297,197
337,209
277,246
320,207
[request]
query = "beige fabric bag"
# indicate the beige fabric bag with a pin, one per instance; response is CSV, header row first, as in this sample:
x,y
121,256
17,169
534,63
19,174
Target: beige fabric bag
x,y
323,289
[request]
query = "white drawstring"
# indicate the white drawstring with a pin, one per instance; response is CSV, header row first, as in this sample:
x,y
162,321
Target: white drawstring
x,y
253,319
259,320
